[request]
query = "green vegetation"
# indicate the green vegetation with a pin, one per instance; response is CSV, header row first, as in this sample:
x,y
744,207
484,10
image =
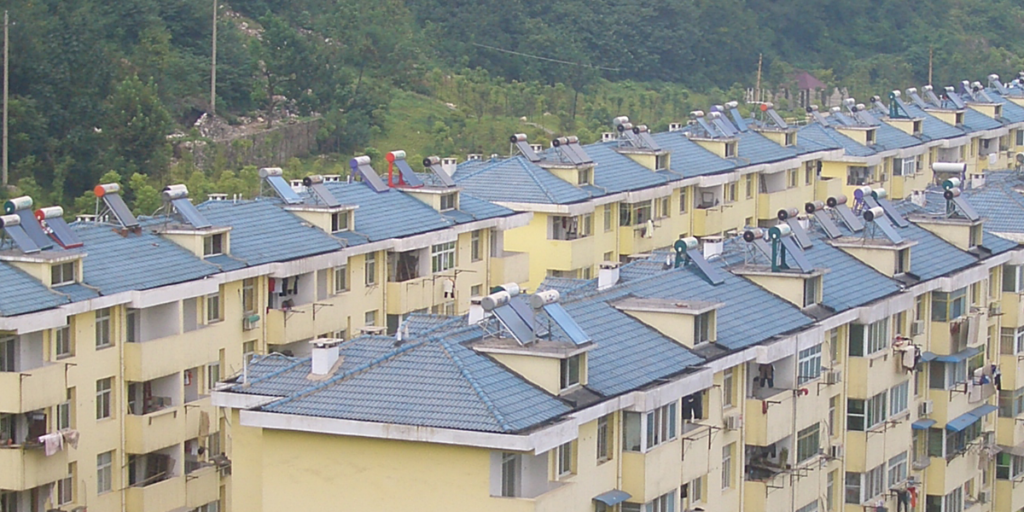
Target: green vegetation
x,y
96,86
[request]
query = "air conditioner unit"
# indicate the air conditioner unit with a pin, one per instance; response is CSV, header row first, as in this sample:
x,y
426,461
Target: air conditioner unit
x,y
984,496
373,330
836,451
833,377
917,328
250,322
926,408
995,309
988,438
734,422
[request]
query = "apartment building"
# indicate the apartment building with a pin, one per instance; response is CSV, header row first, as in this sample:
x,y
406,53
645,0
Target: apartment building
x,y
853,364
114,330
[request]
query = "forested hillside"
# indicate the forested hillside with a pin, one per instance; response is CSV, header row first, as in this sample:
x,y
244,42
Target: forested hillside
x,y
98,85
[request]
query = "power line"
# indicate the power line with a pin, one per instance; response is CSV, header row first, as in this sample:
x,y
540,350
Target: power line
x,y
538,57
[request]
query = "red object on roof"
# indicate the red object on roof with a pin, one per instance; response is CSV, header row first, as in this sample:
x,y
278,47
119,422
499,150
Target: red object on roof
x,y
806,81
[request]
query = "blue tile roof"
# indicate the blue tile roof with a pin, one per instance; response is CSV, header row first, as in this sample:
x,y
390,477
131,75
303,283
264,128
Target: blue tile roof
x,y
616,172
262,232
976,121
24,293
816,133
689,159
521,181
140,261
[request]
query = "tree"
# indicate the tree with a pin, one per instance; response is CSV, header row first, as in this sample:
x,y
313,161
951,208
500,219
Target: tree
x,y
135,129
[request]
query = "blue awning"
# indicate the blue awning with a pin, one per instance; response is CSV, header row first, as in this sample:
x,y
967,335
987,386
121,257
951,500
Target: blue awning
x,y
928,356
613,497
983,410
959,356
961,422
922,424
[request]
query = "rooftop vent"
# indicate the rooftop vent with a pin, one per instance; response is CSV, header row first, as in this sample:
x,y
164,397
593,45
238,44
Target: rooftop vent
x,y
325,355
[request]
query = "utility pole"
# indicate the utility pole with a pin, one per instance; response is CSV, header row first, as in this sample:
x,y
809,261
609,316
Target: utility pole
x,y
213,67
930,65
7,40
757,94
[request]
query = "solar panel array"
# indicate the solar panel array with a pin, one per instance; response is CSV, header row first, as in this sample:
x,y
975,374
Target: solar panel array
x,y
33,229
360,167
527,151
408,175
738,119
120,210
565,322
851,220
795,253
777,119
11,225
433,163
59,229
800,233
283,190
827,224
888,229
189,212
892,212
521,331
966,208
710,272
648,141
574,145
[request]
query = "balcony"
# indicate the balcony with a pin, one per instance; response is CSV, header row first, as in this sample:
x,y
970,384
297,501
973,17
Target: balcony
x,y
648,475
149,360
31,390
768,494
167,427
510,267
414,294
769,416
23,467
826,188
707,220
291,325
566,255
162,496
202,486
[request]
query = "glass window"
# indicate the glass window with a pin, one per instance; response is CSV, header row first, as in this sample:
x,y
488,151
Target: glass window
x,y
749,185
664,503
808,443
876,412
212,375
64,411
874,482
213,245
898,397
728,390
878,336
510,463
448,201
249,296
442,257
811,291
213,308
702,327
604,439
104,389
341,279
810,507
949,306
339,222
853,488
608,217
103,338
62,343
565,459
371,269
727,451
1011,403
631,431
570,371
476,246
855,414
370,318
63,273
66,487
104,472
682,200
897,469
661,425
809,364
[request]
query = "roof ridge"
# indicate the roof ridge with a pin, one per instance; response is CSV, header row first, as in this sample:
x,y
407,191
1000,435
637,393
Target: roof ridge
x,y
359,369
529,172
493,409
292,366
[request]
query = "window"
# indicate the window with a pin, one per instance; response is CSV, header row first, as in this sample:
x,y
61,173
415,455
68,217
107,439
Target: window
x,y
902,261
448,201
792,177
695,490
565,459
104,389
833,418
583,176
604,438
1011,403
570,371
63,415
920,308
682,200
631,431
702,327
66,487
808,443
876,334
898,396
62,343
1013,277
875,409
476,252
341,279
103,328
608,218
833,344
810,507
1009,466
510,463
664,503
665,208
809,364
339,222
213,245
249,296
853,488
947,375
442,257
808,173
949,306
869,137
730,193
640,213
476,290
749,185
586,225
370,318
897,469
727,465
104,472
830,491
874,482
811,286
213,308
727,388
248,350
63,273
132,327
8,349
954,501
212,375
730,149
371,269
661,425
